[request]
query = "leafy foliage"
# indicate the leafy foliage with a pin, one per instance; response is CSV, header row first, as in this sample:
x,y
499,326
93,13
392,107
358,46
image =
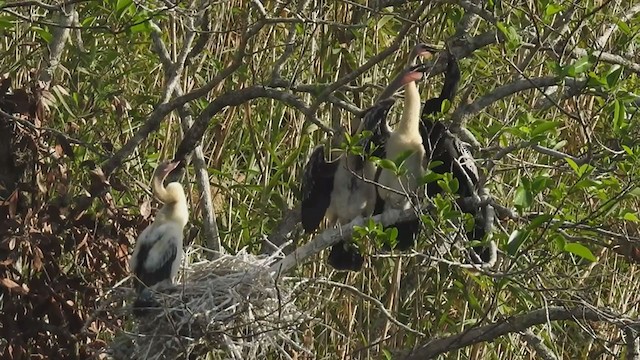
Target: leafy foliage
x,y
548,92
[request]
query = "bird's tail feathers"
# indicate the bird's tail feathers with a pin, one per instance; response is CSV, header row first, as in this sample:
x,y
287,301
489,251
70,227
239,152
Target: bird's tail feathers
x,y
345,257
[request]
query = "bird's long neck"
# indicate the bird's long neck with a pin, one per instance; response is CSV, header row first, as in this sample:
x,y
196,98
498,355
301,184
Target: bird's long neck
x,y
159,190
175,203
410,121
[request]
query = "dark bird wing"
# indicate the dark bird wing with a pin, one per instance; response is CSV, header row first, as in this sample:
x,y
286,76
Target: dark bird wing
x,y
317,185
156,255
345,256
374,121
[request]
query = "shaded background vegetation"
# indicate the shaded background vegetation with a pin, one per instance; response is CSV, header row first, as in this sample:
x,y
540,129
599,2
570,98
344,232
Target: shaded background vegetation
x,y
89,109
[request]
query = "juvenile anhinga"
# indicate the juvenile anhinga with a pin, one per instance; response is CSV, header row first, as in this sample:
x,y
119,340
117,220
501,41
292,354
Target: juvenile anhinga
x,y
454,157
398,190
344,189
158,250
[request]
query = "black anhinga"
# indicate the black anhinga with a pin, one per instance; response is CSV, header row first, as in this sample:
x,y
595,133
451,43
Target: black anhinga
x,y
454,157
158,250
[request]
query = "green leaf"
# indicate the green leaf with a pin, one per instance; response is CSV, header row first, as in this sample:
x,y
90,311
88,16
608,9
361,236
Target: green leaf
x,y
44,34
619,115
614,75
580,250
122,6
141,26
544,127
573,165
387,164
430,177
435,163
516,239
539,220
553,9
631,217
623,26
580,66
402,157
383,20
524,197
7,22
387,354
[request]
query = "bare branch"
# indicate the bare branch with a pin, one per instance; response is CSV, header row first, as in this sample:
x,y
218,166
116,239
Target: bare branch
x,y
174,70
369,64
464,112
332,236
235,98
610,58
60,34
538,345
515,324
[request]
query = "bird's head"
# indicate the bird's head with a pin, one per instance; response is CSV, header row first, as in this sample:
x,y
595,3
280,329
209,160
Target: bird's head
x,y
164,169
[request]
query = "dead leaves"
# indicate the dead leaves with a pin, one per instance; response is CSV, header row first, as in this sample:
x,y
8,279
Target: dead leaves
x,y
13,287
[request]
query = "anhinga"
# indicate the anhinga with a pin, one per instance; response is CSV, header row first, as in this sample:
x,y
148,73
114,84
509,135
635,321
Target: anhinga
x,y
398,190
340,190
158,250
453,156
344,189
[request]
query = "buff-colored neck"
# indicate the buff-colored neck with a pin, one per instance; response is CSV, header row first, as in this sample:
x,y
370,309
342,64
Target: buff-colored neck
x,y
410,121
174,199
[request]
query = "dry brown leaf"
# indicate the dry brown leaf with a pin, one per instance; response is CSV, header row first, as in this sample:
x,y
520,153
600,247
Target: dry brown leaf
x,y
37,258
145,208
12,286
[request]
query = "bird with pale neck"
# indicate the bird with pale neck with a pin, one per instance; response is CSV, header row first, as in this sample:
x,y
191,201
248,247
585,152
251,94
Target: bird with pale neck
x,y
158,251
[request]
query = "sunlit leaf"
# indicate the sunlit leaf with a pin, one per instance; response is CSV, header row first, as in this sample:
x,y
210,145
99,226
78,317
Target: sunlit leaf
x,y
516,239
553,9
523,198
544,127
631,217
579,250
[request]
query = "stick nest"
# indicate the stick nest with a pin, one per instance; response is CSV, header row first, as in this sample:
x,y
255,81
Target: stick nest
x,y
230,307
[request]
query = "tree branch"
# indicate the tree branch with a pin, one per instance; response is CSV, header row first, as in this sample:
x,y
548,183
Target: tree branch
x,y
235,98
515,324
538,345
333,235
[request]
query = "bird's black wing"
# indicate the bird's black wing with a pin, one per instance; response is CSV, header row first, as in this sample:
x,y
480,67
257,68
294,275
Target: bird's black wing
x,y
155,260
375,122
317,185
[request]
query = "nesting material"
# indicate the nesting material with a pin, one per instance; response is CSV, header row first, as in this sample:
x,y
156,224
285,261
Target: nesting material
x,y
230,307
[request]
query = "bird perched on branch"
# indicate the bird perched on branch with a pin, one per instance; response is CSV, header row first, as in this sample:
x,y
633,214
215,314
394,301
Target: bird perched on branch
x,y
344,189
158,250
398,188
453,156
